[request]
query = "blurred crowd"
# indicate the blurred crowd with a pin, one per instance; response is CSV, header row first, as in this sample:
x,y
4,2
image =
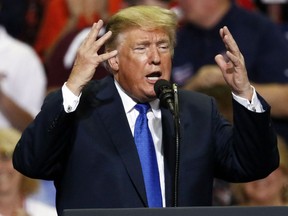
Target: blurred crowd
x,y
39,41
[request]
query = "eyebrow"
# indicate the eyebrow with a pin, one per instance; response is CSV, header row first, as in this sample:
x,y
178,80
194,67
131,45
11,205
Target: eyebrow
x,y
146,42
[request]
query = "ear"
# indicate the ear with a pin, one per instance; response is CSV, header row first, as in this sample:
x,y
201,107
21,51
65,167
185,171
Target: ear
x,y
113,63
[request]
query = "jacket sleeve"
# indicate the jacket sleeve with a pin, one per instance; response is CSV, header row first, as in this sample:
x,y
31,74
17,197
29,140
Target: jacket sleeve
x,y
42,146
252,151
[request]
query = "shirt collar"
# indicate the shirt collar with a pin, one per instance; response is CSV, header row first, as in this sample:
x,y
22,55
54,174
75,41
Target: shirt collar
x,y
129,103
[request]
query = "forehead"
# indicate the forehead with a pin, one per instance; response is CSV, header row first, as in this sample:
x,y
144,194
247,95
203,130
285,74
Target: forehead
x,y
140,35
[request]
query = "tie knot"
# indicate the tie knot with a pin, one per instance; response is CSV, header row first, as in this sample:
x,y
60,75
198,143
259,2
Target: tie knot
x,y
142,107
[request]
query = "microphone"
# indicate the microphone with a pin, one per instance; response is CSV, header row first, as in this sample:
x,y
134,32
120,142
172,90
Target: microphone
x,y
164,92
168,95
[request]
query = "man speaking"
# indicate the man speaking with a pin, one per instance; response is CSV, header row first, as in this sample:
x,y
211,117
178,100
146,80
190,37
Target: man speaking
x,y
111,144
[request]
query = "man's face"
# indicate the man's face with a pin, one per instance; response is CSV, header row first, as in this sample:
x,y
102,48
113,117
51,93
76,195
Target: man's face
x,y
143,58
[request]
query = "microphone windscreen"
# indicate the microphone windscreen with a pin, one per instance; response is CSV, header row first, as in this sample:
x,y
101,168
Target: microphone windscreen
x,y
160,85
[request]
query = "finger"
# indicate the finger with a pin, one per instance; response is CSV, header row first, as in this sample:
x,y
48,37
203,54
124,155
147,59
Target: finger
x,y
234,59
229,41
97,44
92,35
108,55
221,32
222,35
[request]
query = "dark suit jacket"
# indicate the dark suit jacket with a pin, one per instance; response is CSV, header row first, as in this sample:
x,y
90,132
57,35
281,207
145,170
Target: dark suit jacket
x,y
91,156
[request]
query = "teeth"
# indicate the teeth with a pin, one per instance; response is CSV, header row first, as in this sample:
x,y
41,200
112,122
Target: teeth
x,y
153,78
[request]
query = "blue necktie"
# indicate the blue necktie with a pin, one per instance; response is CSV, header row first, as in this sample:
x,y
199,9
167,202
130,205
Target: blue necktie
x,y
147,155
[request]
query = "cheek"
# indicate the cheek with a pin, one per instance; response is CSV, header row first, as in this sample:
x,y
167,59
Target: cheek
x,y
139,60
167,61
132,61
133,69
166,66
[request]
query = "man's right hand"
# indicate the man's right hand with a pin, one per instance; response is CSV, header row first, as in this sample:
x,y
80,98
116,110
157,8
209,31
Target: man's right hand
x,y
87,59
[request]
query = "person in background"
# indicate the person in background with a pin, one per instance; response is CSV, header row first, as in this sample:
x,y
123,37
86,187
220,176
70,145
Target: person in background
x,y
261,41
63,16
84,137
247,4
269,191
170,4
274,9
12,15
22,18
277,11
15,188
22,82
61,58
160,3
33,20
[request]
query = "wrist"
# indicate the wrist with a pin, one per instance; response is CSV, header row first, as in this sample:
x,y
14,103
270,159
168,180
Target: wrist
x,y
74,86
247,93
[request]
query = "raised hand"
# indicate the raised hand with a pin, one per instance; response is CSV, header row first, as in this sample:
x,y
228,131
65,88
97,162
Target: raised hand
x,y
233,66
88,59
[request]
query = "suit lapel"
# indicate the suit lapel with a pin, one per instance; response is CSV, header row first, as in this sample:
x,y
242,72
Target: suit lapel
x,y
116,124
115,121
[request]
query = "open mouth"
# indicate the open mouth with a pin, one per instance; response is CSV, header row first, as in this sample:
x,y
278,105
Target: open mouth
x,y
154,76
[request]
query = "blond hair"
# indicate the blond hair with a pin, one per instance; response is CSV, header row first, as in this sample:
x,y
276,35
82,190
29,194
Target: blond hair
x,y
147,18
8,140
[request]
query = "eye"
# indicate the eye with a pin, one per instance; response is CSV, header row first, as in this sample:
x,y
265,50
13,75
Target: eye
x,y
164,47
140,49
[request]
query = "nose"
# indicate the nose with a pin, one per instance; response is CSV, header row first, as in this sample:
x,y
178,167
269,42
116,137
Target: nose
x,y
155,56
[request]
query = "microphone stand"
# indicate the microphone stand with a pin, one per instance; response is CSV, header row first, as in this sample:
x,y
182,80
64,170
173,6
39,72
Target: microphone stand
x,y
177,144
